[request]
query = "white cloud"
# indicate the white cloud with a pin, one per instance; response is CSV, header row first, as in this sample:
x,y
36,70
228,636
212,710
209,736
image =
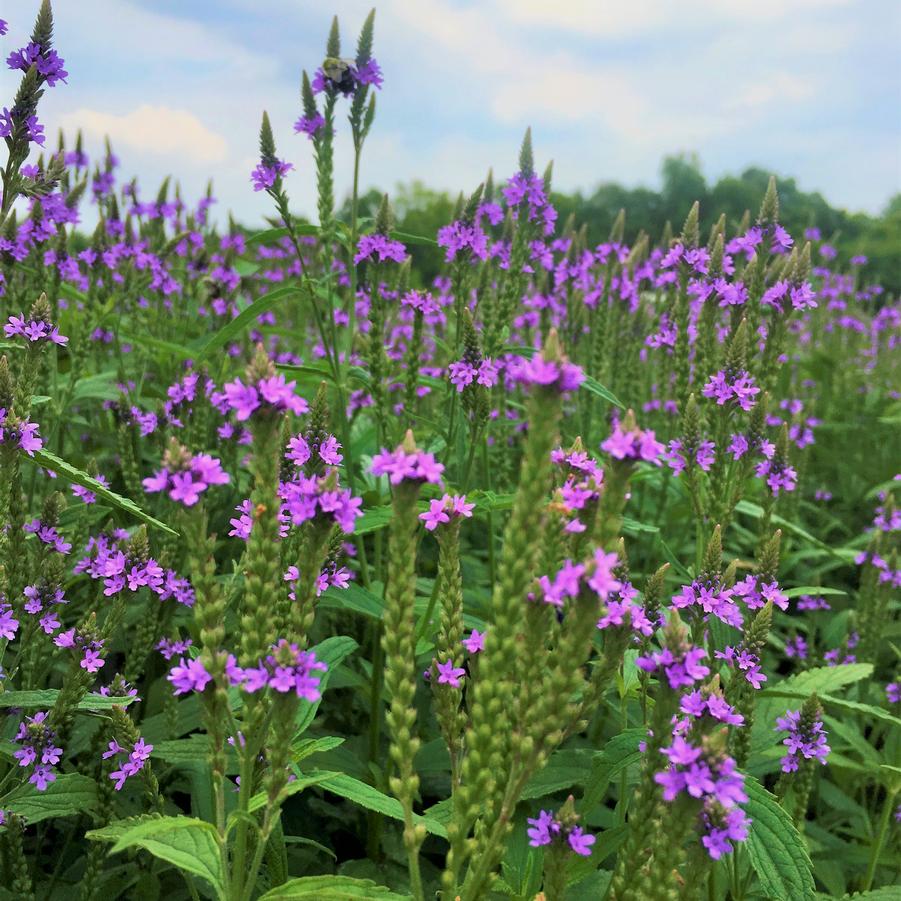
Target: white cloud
x,y
161,130
614,18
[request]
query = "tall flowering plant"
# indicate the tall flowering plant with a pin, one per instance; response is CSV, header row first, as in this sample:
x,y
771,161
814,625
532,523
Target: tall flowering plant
x,y
571,571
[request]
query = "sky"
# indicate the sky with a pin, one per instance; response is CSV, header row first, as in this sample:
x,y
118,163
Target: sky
x,y
803,88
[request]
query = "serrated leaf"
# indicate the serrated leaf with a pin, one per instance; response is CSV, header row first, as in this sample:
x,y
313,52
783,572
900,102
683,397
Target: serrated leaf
x,y
183,750
372,799
46,697
331,888
244,320
822,679
187,843
618,754
68,795
74,475
775,848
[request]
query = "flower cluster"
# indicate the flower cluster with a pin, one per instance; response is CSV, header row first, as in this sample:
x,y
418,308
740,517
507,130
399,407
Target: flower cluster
x,y
463,373
48,535
682,667
401,465
86,643
560,375
23,435
121,570
545,829
133,763
301,449
745,661
34,330
805,740
740,389
581,488
713,778
442,510
268,394
531,190
627,442
38,749
38,598
779,476
596,577
379,248
286,669
265,175
193,475
307,497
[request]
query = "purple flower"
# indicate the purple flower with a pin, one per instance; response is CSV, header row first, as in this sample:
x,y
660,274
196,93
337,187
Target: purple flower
x,y
266,175
35,330
459,236
188,675
309,125
805,740
681,670
547,828
38,749
580,841
187,484
401,466
474,642
381,247
561,375
9,625
272,393
739,387
448,674
441,511
633,444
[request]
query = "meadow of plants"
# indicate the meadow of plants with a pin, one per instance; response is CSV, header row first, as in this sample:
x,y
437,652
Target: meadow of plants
x,y
570,574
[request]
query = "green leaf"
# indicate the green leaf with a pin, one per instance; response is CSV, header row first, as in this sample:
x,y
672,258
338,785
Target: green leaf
x,y
243,320
373,519
354,598
618,754
168,347
775,848
372,799
756,512
270,235
331,888
259,800
74,475
813,591
407,238
321,372
185,842
306,746
179,751
68,795
822,679
593,386
46,698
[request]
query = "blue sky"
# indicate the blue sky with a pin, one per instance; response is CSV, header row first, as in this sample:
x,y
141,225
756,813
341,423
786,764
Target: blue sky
x,y
808,88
